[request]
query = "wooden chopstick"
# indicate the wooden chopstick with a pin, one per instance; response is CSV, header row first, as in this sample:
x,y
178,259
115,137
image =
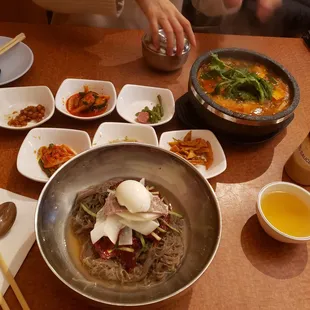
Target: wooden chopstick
x,y
7,274
3,303
12,43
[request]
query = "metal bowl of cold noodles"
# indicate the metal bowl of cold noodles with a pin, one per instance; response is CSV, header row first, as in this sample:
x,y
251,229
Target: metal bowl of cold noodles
x,y
96,269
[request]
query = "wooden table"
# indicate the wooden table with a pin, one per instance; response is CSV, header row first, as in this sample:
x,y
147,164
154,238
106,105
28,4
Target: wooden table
x,y
250,270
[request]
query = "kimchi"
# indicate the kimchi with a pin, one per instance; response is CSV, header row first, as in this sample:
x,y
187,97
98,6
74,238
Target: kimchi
x,y
53,156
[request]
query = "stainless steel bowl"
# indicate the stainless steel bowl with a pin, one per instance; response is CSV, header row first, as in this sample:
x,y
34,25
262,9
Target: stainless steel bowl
x,y
159,59
175,177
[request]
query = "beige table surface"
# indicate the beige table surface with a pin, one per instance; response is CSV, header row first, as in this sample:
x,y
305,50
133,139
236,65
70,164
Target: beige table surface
x,y
250,270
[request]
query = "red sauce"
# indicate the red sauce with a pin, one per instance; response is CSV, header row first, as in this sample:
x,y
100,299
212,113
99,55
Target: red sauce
x,y
128,259
104,247
87,103
106,250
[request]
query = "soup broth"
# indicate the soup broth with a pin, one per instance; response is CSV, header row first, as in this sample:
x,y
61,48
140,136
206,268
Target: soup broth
x,y
243,86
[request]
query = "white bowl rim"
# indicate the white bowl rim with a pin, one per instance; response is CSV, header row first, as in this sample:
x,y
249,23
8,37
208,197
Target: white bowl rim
x,y
160,144
32,126
65,112
125,124
85,133
259,207
145,87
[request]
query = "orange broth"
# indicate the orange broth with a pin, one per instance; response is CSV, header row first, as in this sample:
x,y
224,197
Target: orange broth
x,y
280,93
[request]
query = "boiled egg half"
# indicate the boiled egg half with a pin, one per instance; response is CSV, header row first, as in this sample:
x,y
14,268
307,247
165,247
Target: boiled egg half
x,y
134,196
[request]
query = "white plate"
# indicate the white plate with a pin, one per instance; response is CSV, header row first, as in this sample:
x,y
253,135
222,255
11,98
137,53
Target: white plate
x,y
27,163
219,164
133,98
17,98
15,245
108,132
70,87
15,62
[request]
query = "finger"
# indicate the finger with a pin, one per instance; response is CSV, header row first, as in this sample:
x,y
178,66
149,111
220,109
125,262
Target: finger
x,y
154,30
270,4
169,35
266,8
263,14
179,35
232,3
188,30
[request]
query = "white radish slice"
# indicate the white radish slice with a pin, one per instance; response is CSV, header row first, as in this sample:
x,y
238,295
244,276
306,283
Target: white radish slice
x,y
138,217
125,236
149,216
109,226
144,228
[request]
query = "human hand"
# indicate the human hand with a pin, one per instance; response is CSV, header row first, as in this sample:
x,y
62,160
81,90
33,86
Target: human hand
x,y
265,8
162,13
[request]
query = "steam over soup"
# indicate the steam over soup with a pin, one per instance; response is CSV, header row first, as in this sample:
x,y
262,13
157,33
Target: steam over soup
x,y
243,86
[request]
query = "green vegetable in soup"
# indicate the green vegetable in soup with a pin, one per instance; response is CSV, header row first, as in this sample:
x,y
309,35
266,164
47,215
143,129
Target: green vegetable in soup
x,y
237,83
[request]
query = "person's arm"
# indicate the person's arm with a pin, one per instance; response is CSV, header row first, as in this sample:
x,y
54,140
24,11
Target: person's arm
x,y
217,7
162,13
104,7
265,8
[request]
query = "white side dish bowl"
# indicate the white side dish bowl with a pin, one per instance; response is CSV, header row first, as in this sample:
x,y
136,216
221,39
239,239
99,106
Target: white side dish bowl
x,y
108,133
133,98
271,230
70,87
14,99
219,164
27,163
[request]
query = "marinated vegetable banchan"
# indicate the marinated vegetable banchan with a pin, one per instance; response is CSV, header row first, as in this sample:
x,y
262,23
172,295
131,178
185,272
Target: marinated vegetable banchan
x,y
126,233
243,86
51,157
26,115
196,151
87,103
151,116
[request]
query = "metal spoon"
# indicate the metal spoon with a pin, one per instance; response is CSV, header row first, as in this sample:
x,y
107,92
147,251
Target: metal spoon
x,y
8,213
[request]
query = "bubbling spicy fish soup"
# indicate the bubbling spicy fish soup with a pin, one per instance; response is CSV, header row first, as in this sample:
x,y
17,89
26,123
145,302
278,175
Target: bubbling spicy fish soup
x,y
243,86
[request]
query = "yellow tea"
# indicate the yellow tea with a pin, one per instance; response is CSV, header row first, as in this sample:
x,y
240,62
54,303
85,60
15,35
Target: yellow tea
x,y
287,213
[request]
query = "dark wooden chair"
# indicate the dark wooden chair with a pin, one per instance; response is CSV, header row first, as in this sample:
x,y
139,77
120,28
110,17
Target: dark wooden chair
x,y
293,19
22,11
